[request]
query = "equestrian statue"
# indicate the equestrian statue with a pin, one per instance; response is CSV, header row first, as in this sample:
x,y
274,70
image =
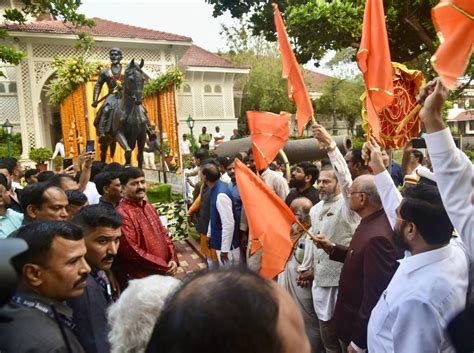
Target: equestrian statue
x,y
122,118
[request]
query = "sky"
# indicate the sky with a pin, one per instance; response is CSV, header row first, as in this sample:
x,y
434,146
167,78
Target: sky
x,y
190,18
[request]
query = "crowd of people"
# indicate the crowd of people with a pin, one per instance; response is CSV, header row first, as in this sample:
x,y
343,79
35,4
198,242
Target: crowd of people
x,y
381,258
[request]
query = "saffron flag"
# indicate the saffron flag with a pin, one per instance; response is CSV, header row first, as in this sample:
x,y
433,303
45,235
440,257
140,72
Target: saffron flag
x,y
291,71
269,219
454,21
373,59
269,133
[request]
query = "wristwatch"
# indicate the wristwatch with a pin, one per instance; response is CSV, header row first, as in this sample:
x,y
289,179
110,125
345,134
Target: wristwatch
x,y
331,147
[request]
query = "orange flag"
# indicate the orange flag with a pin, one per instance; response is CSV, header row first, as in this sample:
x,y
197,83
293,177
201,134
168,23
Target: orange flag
x,y
454,21
269,133
269,220
291,71
373,59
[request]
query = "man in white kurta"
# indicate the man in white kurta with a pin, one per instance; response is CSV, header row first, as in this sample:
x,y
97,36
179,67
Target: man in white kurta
x,y
428,288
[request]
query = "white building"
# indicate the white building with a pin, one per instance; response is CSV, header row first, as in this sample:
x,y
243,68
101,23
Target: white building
x,y
207,94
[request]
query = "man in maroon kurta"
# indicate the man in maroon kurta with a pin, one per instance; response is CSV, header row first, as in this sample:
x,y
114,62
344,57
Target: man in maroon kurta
x,y
145,248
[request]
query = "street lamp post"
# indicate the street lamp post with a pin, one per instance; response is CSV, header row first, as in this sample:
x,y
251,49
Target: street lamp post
x,y
190,123
7,130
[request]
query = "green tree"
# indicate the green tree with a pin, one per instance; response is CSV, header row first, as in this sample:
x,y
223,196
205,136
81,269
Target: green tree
x,y
64,10
263,89
318,26
347,94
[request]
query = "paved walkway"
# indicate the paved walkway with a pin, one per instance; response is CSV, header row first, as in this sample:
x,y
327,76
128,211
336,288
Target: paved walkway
x,y
190,259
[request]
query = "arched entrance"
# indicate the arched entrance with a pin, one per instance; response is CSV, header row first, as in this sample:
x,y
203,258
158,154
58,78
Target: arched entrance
x,y
50,118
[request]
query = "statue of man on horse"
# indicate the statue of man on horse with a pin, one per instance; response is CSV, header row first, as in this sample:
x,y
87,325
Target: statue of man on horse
x,y
121,117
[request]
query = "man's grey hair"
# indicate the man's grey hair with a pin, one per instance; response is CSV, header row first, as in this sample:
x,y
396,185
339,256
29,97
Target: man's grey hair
x,y
133,317
369,187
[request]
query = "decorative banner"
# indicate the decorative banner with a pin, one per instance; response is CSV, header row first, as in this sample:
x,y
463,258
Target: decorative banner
x,y
291,71
454,21
269,219
73,123
163,108
397,125
269,133
373,59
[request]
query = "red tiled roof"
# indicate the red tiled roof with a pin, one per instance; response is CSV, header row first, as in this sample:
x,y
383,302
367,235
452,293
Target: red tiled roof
x,y
464,116
196,56
102,28
316,79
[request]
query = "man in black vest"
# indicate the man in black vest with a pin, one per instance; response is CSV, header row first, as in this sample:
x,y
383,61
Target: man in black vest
x,y
102,232
51,270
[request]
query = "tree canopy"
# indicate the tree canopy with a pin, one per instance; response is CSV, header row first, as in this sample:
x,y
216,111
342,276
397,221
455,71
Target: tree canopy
x,y
63,10
318,26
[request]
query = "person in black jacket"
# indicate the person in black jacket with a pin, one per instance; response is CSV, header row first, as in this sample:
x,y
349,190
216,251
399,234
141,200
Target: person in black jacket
x,y
52,270
102,232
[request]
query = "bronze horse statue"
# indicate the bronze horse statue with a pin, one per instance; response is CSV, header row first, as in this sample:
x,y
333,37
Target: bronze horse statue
x,y
129,122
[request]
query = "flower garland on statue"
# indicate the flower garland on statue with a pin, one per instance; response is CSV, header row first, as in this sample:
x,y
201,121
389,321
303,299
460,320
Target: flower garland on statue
x,y
117,80
71,73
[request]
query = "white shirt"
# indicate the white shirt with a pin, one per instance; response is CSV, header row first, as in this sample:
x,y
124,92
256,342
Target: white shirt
x,y
427,290
218,135
276,182
186,147
226,178
16,185
58,149
224,207
455,176
92,194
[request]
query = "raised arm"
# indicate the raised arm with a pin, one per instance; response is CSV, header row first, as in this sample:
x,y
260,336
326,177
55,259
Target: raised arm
x,y
341,170
390,196
453,169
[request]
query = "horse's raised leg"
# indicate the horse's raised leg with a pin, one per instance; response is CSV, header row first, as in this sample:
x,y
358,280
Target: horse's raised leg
x,y
113,146
103,152
124,144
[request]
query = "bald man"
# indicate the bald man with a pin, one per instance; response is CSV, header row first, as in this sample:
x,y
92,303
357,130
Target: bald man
x,y
296,279
369,264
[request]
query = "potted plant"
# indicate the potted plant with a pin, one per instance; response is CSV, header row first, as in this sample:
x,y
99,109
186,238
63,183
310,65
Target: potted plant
x,y
58,163
40,156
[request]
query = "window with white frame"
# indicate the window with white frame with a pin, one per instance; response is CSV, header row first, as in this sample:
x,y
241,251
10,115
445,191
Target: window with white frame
x,y
470,127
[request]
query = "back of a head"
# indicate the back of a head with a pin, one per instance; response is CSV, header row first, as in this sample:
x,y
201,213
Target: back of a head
x,y
132,325
96,168
356,156
33,195
57,179
210,170
8,163
232,311
130,173
30,172
423,206
113,167
45,175
418,155
94,216
39,236
76,197
104,179
201,154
